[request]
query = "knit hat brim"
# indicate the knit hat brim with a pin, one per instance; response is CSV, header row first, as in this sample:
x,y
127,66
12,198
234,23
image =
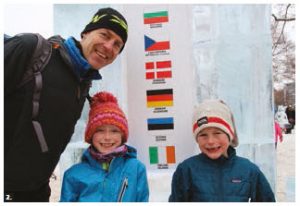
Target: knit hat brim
x,y
105,111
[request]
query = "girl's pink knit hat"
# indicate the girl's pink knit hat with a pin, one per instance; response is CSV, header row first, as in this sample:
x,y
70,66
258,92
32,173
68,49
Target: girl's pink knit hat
x,y
105,110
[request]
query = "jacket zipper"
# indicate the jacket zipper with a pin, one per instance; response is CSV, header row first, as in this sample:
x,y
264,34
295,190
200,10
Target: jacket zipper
x,y
123,189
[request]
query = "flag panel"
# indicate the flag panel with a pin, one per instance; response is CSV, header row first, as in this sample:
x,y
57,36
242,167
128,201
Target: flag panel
x,y
159,91
150,75
152,45
166,74
160,123
156,17
170,150
149,65
153,154
163,64
162,155
163,97
160,104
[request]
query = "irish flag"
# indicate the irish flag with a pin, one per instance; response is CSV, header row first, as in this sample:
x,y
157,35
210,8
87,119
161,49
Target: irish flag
x,y
156,17
162,155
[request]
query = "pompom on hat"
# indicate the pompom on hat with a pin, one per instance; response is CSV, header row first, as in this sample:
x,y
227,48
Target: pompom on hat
x,y
215,113
108,18
105,110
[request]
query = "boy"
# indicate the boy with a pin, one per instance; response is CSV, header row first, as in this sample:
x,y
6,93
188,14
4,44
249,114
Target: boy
x,y
218,174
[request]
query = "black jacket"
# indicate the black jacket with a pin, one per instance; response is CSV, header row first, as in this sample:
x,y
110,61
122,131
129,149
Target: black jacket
x,y
61,102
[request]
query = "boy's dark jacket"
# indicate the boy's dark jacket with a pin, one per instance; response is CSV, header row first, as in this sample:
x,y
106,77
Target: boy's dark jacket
x,y
232,179
61,102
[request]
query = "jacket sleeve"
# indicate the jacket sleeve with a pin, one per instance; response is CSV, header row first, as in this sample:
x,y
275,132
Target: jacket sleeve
x,y
180,185
264,192
142,185
69,189
17,54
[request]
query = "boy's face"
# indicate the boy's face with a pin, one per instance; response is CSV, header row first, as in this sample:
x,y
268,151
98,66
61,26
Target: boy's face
x,y
107,138
213,142
100,47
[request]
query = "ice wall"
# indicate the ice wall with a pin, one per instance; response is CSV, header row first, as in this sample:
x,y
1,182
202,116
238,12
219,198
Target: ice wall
x,y
232,50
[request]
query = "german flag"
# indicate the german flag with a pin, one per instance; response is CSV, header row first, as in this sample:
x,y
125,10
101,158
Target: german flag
x,y
160,98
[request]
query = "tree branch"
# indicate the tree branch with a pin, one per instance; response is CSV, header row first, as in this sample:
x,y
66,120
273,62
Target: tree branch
x,y
283,19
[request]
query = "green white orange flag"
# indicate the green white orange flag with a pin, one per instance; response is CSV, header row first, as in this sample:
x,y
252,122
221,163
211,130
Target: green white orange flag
x,y
162,155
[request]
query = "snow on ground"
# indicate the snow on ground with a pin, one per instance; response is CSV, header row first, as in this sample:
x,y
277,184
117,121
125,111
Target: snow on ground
x,y
285,189
160,182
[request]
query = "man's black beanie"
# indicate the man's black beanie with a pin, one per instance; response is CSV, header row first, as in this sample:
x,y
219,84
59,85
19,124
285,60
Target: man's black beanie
x,y
109,18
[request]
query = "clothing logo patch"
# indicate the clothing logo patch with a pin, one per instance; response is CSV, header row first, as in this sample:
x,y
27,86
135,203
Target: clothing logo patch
x,y
202,121
236,180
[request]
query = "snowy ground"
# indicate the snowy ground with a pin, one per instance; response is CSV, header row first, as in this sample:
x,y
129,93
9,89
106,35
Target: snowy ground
x,y
160,183
285,189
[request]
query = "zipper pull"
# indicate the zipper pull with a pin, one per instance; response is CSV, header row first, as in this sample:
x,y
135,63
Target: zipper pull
x,y
123,188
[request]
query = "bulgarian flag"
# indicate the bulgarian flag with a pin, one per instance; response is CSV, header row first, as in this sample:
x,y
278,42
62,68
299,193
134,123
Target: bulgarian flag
x,y
156,17
162,155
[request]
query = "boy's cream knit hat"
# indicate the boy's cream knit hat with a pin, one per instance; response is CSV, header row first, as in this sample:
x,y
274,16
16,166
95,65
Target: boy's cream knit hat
x,y
215,113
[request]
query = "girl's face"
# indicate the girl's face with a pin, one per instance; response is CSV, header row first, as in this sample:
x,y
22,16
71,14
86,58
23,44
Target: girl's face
x,y
107,138
213,142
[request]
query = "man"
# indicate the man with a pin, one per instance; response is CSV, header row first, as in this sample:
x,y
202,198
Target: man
x,y
30,158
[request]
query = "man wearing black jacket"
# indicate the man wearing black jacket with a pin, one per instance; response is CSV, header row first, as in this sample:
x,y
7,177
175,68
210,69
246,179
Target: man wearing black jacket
x,y
66,81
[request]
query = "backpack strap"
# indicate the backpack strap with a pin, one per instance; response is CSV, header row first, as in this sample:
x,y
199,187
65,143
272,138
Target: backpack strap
x,y
38,62
41,57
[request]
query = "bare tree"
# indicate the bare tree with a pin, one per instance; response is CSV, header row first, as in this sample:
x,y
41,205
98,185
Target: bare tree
x,y
283,48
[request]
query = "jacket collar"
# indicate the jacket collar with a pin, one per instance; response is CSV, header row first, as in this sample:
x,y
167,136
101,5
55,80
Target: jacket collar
x,y
221,160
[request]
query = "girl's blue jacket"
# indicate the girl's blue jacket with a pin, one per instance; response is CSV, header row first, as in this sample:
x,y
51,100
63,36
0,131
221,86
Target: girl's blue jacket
x,y
125,181
232,179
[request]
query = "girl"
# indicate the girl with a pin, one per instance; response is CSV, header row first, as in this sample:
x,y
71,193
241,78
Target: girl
x,y
109,171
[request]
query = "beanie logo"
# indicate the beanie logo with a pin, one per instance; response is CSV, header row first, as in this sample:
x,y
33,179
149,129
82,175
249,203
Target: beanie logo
x,y
120,22
96,18
201,121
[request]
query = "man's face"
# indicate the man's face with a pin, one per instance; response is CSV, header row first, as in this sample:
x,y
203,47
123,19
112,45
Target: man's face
x,y
100,47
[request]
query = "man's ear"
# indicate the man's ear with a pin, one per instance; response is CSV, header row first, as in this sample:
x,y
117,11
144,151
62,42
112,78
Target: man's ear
x,y
83,35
